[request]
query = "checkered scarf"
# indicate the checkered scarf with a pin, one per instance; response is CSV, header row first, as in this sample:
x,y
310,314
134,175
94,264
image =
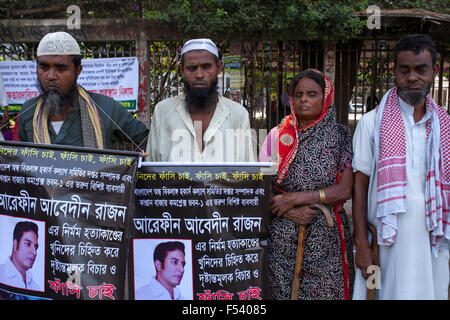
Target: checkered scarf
x,y
391,171
90,122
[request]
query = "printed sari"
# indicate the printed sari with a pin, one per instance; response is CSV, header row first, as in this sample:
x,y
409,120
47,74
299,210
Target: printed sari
x,y
311,158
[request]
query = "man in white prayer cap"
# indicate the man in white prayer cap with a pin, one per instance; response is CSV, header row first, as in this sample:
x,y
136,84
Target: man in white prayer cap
x,y
65,113
200,124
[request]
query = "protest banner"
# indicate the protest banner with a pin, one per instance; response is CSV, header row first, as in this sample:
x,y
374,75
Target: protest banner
x,y
64,220
214,219
117,78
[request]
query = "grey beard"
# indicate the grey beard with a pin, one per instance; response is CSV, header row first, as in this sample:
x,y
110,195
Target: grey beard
x,y
414,98
55,103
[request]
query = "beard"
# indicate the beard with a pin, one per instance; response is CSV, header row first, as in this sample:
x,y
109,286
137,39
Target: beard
x,y
198,99
413,98
57,102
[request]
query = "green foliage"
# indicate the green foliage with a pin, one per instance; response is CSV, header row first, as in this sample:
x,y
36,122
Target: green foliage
x,y
48,9
312,19
440,6
309,19
319,19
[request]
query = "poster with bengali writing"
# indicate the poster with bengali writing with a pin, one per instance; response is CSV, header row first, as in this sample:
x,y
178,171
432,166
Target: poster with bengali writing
x,y
117,78
64,221
199,232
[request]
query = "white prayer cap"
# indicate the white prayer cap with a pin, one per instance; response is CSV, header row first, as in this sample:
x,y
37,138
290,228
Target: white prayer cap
x,y
58,43
200,44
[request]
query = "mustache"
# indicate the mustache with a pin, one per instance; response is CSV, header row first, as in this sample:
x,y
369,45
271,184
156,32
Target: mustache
x,y
198,82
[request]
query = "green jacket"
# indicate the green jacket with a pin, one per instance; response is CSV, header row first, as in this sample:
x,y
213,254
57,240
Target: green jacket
x,y
116,122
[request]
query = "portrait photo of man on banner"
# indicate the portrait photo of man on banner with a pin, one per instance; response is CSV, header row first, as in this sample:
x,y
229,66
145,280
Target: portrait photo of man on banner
x,y
22,241
163,269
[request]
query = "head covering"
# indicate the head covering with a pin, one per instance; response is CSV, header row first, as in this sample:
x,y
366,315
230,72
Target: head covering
x,y
200,44
288,130
58,43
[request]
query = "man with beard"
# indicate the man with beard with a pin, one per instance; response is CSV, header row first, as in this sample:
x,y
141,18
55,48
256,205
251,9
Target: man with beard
x,y
65,113
15,272
200,124
402,183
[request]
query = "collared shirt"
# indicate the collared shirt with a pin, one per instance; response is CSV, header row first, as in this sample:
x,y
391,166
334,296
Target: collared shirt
x,y
117,124
155,291
173,135
10,276
417,130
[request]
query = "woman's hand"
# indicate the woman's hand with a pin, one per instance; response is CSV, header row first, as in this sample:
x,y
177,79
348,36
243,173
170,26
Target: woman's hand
x,y
282,203
301,215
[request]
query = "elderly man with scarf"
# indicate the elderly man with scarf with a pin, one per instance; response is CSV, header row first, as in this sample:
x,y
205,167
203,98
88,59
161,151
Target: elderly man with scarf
x,y
65,113
402,183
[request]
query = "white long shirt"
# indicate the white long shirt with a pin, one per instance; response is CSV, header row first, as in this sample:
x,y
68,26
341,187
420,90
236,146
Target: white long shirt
x,y
408,268
173,135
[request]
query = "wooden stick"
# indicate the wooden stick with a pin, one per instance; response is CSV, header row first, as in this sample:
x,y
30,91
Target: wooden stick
x,y
371,293
298,263
300,245
326,212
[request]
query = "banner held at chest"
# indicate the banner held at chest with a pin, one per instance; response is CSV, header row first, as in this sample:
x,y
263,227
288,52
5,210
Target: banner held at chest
x,y
199,233
64,220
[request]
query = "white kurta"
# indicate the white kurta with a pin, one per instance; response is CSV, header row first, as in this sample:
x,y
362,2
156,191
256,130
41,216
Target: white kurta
x,y
408,268
173,137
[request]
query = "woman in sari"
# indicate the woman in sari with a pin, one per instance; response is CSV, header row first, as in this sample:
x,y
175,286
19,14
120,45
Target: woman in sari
x,y
314,155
